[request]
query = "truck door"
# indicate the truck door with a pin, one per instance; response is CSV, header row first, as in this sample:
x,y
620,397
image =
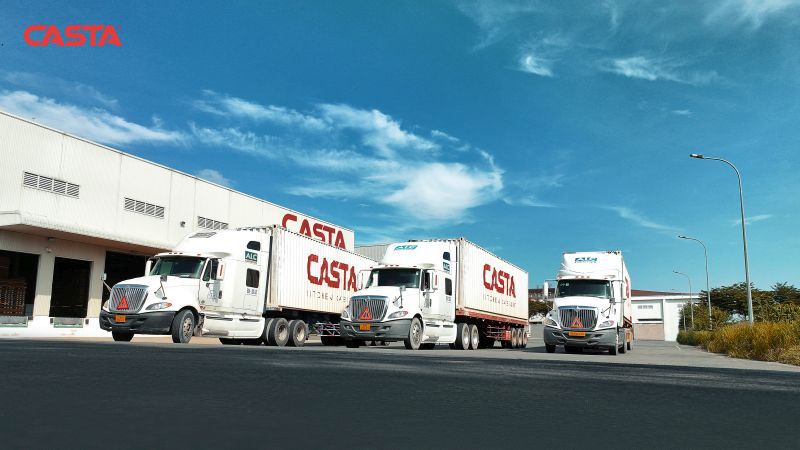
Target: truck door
x,y
208,295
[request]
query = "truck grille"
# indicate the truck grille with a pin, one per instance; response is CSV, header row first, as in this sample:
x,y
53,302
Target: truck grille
x,y
134,295
578,318
375,305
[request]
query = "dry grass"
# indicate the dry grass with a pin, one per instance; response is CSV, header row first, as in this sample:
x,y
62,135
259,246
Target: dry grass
x,y
764,341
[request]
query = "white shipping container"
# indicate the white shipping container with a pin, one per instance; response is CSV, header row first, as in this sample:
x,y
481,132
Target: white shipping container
x,y
308,275
489,284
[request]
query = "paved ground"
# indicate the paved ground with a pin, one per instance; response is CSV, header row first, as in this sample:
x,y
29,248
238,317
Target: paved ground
x,y
83,394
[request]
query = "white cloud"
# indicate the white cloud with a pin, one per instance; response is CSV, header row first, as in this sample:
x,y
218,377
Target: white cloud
x,y
377,129
493,17
752,219
442,135
751,12
653,69
531,63
228,106
69,89
245,141
214,177
682,112
91,123
640,220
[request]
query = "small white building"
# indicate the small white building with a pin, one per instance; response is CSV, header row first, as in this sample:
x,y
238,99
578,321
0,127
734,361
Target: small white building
x,y
656,315
73,212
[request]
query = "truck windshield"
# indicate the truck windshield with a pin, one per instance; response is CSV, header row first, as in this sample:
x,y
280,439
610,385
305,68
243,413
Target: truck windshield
x,y
178,266
394,277
585,288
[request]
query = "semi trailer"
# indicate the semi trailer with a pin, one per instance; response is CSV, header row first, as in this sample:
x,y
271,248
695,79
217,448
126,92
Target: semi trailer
x,y
439,291
245,286
592,304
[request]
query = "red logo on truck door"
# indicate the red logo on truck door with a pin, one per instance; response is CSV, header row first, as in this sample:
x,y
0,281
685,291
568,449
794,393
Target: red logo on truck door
x,y
44,35
498,281
335,274
322,232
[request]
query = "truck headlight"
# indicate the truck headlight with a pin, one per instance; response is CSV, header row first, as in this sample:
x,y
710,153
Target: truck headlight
x,y
548,322
105,306
397,314
346,313
159,305
606,324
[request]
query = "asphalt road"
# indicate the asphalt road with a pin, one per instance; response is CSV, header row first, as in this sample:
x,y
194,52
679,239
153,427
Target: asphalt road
x,y
79,394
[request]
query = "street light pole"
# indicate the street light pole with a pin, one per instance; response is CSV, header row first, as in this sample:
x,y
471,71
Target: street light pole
x,y
708,291
690,298
744,233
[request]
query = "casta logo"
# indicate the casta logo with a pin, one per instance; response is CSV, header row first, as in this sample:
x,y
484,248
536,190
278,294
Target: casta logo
x,y
72,36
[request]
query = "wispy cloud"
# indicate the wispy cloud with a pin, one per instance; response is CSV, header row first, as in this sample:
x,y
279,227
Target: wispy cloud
x,y
235,107
531,63
92,123
528,190
237,139
640,220
653,69
493,18
682,112
752,219
752,13
214,177
64,89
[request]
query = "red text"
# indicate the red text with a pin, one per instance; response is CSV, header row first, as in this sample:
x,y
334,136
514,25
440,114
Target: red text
x,y
498,281
324,233
334,274
73,36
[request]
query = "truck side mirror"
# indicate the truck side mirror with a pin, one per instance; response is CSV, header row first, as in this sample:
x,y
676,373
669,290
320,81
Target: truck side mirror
x,y
430,284
163,278
545,290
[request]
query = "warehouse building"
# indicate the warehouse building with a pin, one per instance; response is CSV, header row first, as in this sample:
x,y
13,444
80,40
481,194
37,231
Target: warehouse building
x,y
76,217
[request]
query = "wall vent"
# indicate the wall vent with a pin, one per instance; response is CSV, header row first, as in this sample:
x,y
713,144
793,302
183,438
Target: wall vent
x,y
48,184
210,224
148,209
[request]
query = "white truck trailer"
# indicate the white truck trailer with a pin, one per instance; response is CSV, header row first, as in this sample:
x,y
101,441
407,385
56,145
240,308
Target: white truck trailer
x,y
245,286
592,304
444,291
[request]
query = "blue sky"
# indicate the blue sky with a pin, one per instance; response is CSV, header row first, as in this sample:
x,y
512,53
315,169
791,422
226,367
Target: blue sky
x,y
531,128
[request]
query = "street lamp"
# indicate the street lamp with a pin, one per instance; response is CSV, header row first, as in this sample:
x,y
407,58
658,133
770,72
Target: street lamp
x,y
744,233
690,299
708,291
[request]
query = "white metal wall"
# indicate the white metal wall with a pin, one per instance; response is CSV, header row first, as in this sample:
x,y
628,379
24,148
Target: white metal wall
x,y
474,295
291,273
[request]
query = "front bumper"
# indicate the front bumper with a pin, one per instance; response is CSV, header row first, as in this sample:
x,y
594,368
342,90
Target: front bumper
x,y
394,330
158,322
593,339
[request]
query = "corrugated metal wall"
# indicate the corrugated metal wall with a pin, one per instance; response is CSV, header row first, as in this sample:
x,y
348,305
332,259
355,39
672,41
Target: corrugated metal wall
x,y
475,295
296,260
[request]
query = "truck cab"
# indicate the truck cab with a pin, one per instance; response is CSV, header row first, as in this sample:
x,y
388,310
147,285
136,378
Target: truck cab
x,y
591,308
409,297
171,298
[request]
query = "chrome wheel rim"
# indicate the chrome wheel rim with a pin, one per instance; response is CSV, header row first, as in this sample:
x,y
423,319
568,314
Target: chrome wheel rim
x,y
187,327
416,333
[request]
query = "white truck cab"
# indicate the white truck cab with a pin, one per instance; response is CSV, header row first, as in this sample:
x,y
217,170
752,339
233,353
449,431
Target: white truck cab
x,y
172,296
592,304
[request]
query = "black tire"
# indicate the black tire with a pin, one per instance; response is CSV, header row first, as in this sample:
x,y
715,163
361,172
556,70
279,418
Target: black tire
x,y
428,346
524,339
278,333
623,348
452,346
630,344
414,339
505,344
352,343
298,333
572,349
120,336
474,337
267,326
551,348
182,327
612,350
228,341
514,338
462,336
327,340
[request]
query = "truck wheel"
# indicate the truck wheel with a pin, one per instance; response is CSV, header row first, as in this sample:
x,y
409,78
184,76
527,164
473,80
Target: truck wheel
x,y
183,327
298,332
278,333
474,337
514,338
267,327
414,339
352,343
462,336
326,340
524,339
630,344
119,336
551,348
571,349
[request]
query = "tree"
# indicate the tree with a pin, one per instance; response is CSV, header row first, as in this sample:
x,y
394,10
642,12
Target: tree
x,y
538,307
785,293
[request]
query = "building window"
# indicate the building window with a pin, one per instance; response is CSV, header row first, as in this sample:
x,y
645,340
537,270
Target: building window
x,y
210,224
252,278
48,184
141,207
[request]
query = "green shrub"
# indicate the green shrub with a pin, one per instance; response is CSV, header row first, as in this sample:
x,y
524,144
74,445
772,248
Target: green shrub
x,y
764,341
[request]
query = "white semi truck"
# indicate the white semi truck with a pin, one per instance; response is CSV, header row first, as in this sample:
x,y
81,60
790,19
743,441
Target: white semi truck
x,y
592,304
443,291
245,286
